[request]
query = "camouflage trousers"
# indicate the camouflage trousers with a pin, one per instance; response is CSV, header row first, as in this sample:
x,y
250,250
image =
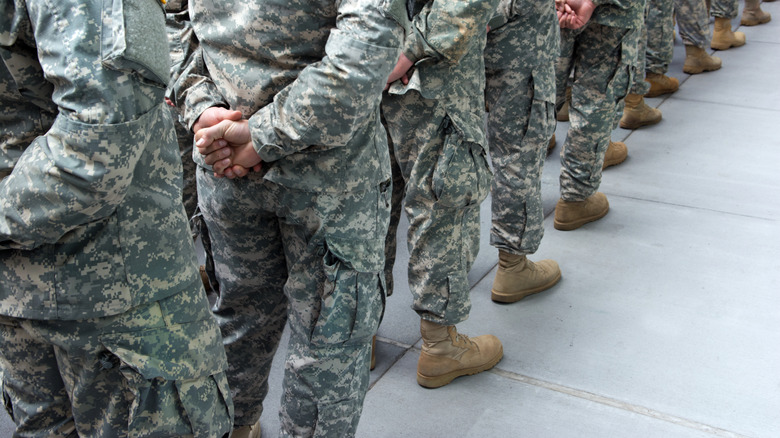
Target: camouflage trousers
x,y
520,95
602,61
660,36
693,21
314,259
154,371
725,9
443,179
639,85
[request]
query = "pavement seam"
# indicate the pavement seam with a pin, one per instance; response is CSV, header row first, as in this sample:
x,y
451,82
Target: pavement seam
x,y
615,403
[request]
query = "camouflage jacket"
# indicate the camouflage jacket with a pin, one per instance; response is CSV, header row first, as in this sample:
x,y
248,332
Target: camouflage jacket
x,y
626,14
538,42
91,220
446,44
308,74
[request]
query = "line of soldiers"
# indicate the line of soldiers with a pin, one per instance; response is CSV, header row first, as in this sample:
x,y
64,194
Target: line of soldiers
x,y
315,123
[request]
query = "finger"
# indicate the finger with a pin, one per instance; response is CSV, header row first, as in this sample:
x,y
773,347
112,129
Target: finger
x,y
218,156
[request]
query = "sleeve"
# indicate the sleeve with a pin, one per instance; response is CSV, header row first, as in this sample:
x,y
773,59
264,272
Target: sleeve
x,y
444,29
109,95
193,89
331,97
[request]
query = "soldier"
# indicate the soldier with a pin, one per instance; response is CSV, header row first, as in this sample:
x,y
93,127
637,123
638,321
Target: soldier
x,y
520,93
602,55
434,116
104,325
302,236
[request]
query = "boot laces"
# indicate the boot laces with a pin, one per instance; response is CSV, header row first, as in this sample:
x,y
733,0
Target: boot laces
x,y
463,341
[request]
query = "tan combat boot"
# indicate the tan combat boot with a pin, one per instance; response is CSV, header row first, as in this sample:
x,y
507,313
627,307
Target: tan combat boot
x,y
661,84
446,354
518,277
570,215
637,113
723,37
563,114
752,15
551,144
252,431
617,152
697,60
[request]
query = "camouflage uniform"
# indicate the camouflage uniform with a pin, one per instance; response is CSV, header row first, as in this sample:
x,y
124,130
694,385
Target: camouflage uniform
x,y
436,124
104,324
602,56
639,85
693,20
520,93
724,9
303,238
180,41
660,36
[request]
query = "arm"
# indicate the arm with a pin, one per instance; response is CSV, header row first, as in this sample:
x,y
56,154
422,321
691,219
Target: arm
x,y
329,98
80,170
444,29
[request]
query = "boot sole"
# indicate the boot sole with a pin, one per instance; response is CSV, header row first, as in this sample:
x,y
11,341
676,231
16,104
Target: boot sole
x,y
439,381
638,124
662,91
754,23
697,70
501,297
724,46
568,226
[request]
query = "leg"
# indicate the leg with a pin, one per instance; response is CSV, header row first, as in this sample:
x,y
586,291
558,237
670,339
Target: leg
x,y
520,123
32,388
251,271
334,244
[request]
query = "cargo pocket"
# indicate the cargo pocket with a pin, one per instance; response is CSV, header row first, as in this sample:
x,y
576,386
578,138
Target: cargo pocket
x,y
178,371
134,39
352,300
462,176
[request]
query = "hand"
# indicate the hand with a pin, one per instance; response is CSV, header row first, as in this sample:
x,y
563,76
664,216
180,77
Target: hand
x,y
400,71
227,147
573,14
214,115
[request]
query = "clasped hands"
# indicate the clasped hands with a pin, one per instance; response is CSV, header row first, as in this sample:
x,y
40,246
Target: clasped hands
x,y
573,14
223,138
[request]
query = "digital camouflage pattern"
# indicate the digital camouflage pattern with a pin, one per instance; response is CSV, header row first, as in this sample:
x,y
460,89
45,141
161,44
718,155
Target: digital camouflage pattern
x,y
320,256
303,238
520,93
105,328
639,85
180,41
693,21
660,36
436,125
724,8
603,61
155,370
